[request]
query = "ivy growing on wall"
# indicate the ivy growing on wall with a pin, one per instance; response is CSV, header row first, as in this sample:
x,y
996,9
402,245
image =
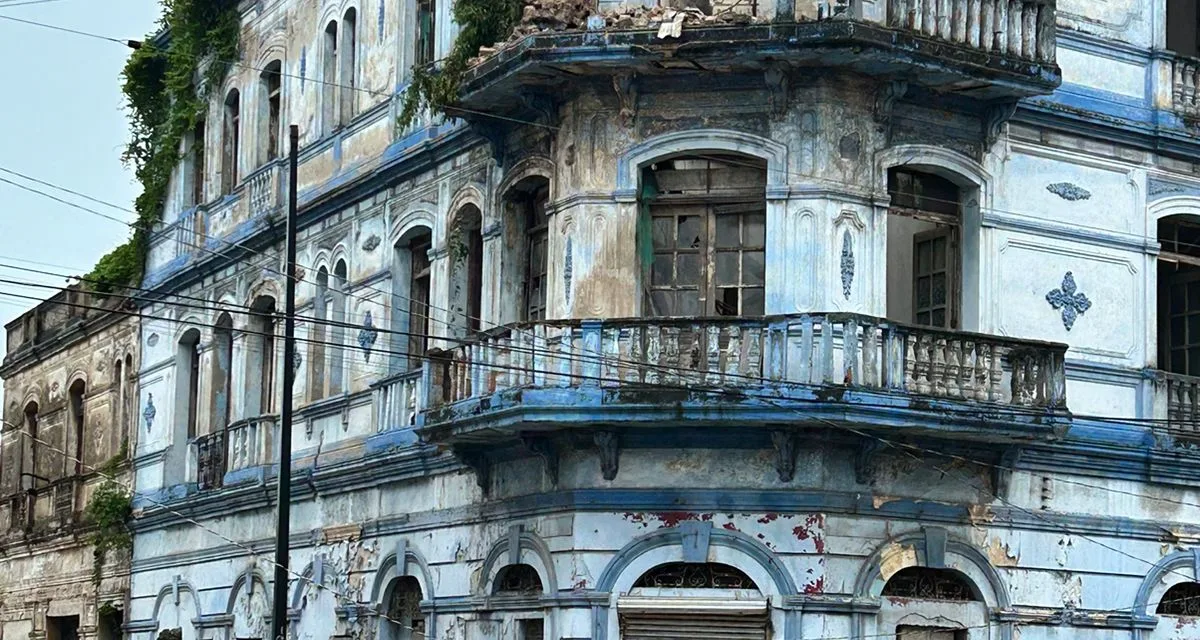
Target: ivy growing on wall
x,y
166,98
108,510
481,23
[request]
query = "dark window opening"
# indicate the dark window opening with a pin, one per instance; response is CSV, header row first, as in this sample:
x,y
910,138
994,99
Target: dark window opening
x,y
518,579
76,394
262,355
930,584
30,448
404,609
222,372
188,364
329,70
1182,599
1179,296
418,303
337,350
62,627
533,629
466,290
708,235
197,160
537,226
426,38
317,347
924,236
108,623
1183,27
272,87
681,575
231,142
348,78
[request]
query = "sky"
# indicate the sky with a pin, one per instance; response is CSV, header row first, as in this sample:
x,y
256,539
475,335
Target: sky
x,y
62,121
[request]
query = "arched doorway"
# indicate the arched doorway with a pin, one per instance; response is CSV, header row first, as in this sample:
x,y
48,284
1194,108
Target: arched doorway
x,y
685,601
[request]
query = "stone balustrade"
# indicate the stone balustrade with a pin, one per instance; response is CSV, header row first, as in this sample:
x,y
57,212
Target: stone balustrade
x,y
1017,28
1178,401
397,401
1185,86
251,443
812,349
265,188
189,232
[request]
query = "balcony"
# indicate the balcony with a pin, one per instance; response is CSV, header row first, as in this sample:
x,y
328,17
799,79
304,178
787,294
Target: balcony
x,y
809,370
238,454
987,50
397,401
1185,86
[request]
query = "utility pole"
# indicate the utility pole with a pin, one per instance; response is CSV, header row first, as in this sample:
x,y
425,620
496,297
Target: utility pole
x,y
283,483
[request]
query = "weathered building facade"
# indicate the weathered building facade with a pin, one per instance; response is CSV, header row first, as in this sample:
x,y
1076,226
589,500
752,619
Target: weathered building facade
x,y
70,385
790,319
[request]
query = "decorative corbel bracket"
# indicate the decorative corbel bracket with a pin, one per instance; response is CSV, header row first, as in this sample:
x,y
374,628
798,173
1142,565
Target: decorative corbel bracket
x,y
541,104
496,135
864,459
885,101
544,448
997,116
785,454
777,88
608,443
478,463
1003,471
625,84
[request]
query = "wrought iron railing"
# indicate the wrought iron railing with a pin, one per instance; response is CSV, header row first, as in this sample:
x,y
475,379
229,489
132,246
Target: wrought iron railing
x,y
210,460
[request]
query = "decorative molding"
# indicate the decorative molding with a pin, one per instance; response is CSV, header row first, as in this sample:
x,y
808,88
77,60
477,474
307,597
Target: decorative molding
x,y
885,100
149,412
609,445
1071,303
568,271
371,243
152,341
785,454
367,335
847,264
1156,187
997,116
1068,191
695,537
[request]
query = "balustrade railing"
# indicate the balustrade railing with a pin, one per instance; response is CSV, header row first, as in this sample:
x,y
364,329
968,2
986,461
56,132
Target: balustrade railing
x,y
1018,28
1185,89
832,349
263,188
250,443
1178,401
210,460
397,401
64,499
189,232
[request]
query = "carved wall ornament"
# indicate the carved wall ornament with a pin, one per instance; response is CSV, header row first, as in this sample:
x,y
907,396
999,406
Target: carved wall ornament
x,y
777,88
847,264
1071,303
297,360
785,454
609,445
371,243
1068,191
152,341
885,100
1159,187
303,66
625,84
367,335
568,271
149,412
997,116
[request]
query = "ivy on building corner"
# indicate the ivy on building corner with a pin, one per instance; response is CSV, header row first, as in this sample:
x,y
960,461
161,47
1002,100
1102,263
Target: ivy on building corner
x,y
108,511
165,103
481,23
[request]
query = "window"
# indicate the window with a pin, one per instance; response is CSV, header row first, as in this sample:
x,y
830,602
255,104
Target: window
x,y
221,372
230,143
271,133
418,303
426,51
524,281
517,579
923,249
1182,599
533,629
130,382
62,627
329,70
929,633
329,333
337,350
317,347
119,388
680,575
261,358
404,617
708,235
75,403
466,269
538,243
929,584
196,154
187,372
29,448
348,74
1183,27
1179,296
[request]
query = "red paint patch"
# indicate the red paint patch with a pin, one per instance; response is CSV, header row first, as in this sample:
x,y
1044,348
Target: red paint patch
x,y
817,586
580,585
768,518
813,529
728,526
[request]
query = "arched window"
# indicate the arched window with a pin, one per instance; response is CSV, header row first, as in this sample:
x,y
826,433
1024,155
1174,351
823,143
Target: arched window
x,y
196,175
466,270
526,251
337,332
118,387
426,33
187,376
405,621
270,131
1182,599
231,141
930,584
329,68
317,346
75,394
130,382
517,579
261,358
707,235
28,469
924,238
348,74
222,368
1179,295
410,299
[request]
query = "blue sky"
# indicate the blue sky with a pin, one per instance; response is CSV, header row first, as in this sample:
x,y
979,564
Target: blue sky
x,y
62,121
